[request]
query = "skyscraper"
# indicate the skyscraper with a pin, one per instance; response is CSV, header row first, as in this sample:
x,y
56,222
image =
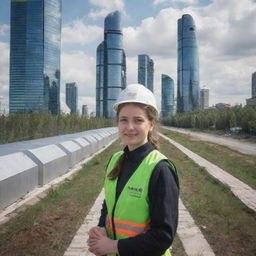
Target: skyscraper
x,y
167,102
35,56
71,97
204,98
254,85
111,66
252,101
146,71
188,65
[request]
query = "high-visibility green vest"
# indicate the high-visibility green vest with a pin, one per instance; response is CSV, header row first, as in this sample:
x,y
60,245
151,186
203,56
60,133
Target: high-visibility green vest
x,y
130,213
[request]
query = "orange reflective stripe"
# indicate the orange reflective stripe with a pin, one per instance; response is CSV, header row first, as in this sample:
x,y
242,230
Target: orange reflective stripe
x,y
133,224
126,232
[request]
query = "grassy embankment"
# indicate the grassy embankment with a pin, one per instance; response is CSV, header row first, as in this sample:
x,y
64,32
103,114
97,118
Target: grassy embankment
x,y
237,164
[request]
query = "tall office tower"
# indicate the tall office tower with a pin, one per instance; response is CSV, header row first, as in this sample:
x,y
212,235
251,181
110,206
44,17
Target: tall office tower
x,y
110,66
100,80
35,56
71,97
146,71
254,85
188,66
85,112
204,98
167,102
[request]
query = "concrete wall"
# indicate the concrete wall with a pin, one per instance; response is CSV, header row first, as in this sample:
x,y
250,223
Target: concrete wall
x,y
29,164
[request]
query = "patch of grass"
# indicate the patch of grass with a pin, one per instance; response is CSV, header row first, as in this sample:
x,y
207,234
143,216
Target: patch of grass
x,y
177,248
237,164
227,224
48,227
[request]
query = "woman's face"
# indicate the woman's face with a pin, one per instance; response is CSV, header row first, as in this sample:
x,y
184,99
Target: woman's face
x,y
133,126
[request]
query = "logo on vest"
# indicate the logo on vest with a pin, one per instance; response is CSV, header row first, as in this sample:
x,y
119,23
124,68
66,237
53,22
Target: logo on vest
x,y
135,192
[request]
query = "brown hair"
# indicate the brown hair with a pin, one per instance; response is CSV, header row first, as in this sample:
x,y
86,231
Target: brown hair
x,y
152,135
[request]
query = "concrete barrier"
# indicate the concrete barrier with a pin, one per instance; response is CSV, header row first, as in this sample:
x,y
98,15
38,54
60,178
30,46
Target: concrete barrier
x,y
18,175
99,139
73,151
51,160
93,142
85,146
37,162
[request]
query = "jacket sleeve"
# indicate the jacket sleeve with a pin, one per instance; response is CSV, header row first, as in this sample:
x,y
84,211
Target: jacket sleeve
x,y
103,215
163,196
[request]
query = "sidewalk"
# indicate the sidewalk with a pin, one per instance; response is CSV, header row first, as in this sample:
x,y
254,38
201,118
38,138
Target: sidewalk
x,y
241,190
243,147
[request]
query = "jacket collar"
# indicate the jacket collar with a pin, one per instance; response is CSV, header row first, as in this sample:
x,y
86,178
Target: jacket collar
x,y
139,153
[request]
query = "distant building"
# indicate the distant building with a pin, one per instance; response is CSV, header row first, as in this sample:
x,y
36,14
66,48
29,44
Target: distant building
x,y
71,97
3,106
222,105
252,101
167,102
204,98
146,71
110,66
35,56
254,85
188,66
85,112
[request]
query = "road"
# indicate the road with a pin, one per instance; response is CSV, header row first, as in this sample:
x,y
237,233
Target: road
x,y
243,147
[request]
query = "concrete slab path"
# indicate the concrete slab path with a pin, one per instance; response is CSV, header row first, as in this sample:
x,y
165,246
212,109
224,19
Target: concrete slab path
x,y
243,147
241,190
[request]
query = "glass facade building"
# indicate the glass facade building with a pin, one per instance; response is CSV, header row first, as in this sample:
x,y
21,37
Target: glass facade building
x,y
110,66
35,56
71,97
167,103
188,66
204,98
254,85
146,71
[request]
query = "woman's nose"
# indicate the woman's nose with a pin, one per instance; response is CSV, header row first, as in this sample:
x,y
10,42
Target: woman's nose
x,y
130,125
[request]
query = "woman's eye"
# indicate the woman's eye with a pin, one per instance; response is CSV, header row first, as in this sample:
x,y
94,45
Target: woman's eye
x,y
138,121
122,120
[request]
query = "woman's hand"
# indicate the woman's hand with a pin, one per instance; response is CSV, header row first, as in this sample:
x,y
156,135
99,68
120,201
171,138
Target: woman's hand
x,y
102,246
99,243
97,232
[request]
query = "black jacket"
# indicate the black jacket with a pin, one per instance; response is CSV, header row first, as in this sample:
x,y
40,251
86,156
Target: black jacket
x,y
163,196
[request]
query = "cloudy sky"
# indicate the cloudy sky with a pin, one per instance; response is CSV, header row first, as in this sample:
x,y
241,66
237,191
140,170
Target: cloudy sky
x,y
226,33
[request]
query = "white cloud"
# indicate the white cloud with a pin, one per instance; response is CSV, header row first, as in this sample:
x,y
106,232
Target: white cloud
x,y
4,29
156,2
80,68
79,33
105,7
147,38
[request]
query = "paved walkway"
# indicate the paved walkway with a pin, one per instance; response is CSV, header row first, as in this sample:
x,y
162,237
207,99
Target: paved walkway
x,y
192,239
243,147
241,190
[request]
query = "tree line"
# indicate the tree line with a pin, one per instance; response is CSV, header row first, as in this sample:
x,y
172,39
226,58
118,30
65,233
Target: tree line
x,y
221,119
19,127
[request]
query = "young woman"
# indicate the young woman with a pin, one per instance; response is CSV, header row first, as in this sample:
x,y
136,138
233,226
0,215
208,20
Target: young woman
x,y
139,215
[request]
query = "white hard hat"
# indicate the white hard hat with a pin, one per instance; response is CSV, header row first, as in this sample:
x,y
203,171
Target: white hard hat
x,y
136,93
